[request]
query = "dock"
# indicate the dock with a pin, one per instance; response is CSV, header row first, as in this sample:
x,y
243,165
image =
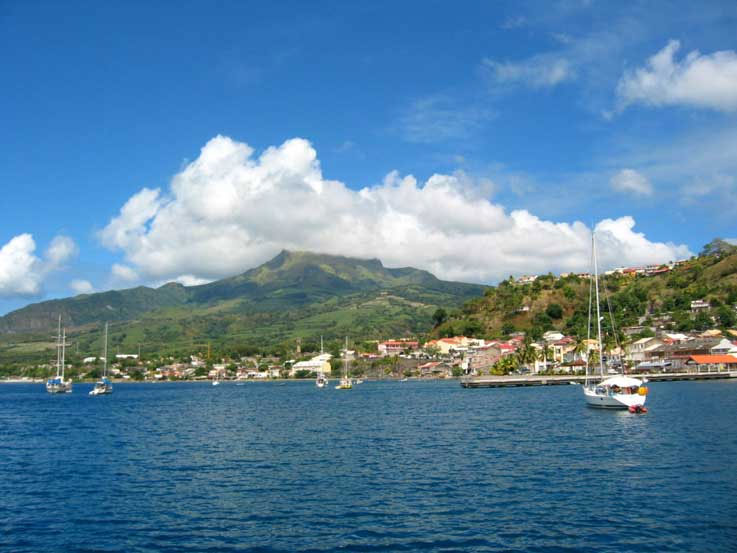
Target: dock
x,y
515,381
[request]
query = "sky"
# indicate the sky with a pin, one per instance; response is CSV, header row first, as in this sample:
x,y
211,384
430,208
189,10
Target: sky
x,y
149,142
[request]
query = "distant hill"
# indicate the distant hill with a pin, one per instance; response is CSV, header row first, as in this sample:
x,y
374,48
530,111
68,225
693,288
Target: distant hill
x,y
562,303
295,295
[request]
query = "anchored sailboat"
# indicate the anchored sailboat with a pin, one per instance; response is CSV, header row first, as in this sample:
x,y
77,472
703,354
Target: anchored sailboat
x,y
103,386
616,392
322,379
57,384
345,382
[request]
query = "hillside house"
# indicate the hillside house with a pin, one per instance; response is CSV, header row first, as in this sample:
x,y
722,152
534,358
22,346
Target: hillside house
x,y
699,305
639,350
481,359
395,347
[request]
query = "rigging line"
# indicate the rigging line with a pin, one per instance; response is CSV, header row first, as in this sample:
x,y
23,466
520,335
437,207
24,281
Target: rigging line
x,y
588,326
611,317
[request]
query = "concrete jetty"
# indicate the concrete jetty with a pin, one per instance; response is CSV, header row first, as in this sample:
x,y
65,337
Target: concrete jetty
x,y
513,381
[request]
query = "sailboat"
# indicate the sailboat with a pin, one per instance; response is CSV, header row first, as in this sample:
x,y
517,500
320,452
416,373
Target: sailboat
x,y
103,386
321,380
615,392
57,384
345,382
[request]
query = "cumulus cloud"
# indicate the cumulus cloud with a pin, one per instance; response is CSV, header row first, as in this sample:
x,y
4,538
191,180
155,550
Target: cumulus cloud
x,y
81,286
698,80
22,272
61,250
229,210
630,181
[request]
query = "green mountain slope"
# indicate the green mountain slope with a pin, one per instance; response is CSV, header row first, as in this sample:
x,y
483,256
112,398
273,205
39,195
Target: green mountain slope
x,y
295,295
562,303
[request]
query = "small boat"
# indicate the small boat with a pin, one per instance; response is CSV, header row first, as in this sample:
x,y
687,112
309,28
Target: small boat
x,y
359,381
345,382
57,384
216,382
321,380
614,392
103,386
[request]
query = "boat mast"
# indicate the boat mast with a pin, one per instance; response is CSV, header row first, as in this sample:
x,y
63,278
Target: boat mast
x,y
598,314
345,365
104,366
63,345
58,350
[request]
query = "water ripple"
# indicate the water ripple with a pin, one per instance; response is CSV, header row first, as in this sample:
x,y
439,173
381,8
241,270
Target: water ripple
x,y
414,466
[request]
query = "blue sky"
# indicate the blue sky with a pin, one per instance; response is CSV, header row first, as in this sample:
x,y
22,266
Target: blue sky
x,y
485,136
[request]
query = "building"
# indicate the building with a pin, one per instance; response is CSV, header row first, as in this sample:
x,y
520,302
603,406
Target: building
x,y
699,305
481,359
395,347
682,350
455,344
639,350
319,364
435,369
711,363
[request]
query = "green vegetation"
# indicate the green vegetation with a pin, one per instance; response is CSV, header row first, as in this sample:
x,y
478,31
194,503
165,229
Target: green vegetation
x,y
562,304
263,311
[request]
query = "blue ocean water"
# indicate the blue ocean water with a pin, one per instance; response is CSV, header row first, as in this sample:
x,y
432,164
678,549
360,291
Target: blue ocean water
x,y
401,466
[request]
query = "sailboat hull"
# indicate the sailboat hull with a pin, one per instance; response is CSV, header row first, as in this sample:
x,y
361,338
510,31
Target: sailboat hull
x,y
612,400
59,388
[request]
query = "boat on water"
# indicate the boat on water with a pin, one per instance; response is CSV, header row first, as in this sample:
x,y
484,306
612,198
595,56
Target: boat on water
x,y
345,382
57,384
103,386
615,392
321,381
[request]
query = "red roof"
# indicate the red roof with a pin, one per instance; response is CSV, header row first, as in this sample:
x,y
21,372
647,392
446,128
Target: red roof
x,y
713,359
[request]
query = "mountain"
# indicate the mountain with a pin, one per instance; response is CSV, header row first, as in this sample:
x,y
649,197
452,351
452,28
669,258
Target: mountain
x,y
295,295
561,303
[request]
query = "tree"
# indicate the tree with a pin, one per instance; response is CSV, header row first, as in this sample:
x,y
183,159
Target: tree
x,y
554,311
439,317
718,247
507,329
726,316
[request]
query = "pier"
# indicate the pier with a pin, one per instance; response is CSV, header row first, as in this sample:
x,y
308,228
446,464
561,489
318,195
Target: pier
x,y
514,381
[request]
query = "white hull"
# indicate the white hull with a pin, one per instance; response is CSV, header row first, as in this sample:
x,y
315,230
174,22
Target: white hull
x,y
612,400
101,390
64,388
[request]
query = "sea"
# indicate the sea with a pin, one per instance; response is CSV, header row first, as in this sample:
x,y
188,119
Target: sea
x,y
387,466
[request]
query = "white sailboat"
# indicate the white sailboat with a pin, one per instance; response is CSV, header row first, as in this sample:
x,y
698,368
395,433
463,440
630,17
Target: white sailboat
x,y
57,384
345,382
103,386
615,392
322,380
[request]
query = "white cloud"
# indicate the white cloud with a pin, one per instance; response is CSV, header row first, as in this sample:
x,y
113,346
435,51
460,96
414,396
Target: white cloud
x,y
81,286
20,269
630,181
123,273
542,70
698,80
22,272
438,118
61,250
229,211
